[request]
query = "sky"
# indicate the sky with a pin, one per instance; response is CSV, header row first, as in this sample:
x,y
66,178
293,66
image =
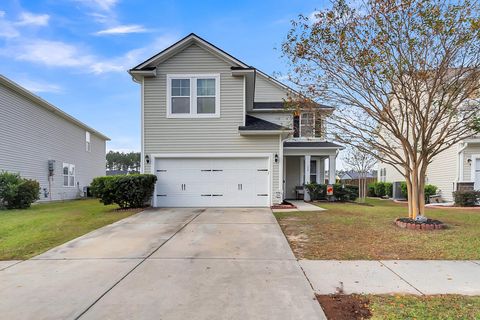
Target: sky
x,y
75,53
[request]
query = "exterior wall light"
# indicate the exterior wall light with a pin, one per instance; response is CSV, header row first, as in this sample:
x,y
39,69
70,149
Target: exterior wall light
x,y
147,159
276,158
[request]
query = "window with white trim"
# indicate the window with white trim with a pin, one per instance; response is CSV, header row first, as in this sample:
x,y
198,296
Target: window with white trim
x,y
68,175
192,96
88,145
307,125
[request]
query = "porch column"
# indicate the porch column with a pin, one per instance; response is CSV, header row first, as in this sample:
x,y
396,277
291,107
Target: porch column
x,y
307,176
331,169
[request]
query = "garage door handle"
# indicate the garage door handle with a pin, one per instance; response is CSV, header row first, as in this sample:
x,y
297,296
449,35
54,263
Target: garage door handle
x,y
262,194
216,170
262,169
217,195
161,195
206,170
206,195
161,170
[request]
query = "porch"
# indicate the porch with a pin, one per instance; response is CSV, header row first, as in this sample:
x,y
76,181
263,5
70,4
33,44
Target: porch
x,y
305,162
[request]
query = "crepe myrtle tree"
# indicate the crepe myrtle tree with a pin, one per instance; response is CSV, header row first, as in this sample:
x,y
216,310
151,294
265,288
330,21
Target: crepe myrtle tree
x,y
403,77
362,163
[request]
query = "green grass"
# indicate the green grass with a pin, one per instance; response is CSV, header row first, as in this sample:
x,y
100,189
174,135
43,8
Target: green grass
x,y
349,231
26,233
424,307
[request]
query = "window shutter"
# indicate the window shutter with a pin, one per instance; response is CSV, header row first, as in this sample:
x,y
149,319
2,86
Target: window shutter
x,y
296,126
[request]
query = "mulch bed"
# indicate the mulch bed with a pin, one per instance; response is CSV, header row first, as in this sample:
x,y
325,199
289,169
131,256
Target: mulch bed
x,y
429,224
283,205
345,307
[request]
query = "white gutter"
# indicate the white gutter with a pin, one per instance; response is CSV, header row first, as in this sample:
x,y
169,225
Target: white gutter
x,y
262,132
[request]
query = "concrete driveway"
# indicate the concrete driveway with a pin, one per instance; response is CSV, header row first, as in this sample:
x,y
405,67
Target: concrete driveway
x,y
165,264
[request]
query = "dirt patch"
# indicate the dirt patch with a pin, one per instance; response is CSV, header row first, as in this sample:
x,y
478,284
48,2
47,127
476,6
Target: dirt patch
x,y
345,307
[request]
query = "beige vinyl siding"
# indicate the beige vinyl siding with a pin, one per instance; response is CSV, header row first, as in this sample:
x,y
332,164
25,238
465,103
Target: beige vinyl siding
x,y
282,118
30,135
267,91
442,172
473,148
194,135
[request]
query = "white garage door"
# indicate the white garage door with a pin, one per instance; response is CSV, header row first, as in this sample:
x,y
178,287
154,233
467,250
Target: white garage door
x,y
212,182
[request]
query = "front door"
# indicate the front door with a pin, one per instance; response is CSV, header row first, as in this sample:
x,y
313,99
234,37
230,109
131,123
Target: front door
x,y
477,174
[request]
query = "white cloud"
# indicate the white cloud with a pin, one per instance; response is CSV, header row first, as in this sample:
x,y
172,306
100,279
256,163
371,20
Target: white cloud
x,y
123,29
104,5
39,87
7,30
28,18
61,54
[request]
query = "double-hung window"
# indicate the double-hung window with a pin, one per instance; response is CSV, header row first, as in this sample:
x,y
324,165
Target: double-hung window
x,y
68,175
307,125
192,96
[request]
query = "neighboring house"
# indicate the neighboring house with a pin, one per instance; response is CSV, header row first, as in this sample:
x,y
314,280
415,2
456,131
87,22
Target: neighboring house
x,y
353,177
42,142
216,133
456,168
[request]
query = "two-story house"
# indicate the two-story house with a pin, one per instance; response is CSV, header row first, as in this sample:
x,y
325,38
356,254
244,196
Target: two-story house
x,y
215,131
41,142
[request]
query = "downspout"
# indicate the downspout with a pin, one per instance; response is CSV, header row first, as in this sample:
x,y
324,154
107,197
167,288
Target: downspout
x,y
460,159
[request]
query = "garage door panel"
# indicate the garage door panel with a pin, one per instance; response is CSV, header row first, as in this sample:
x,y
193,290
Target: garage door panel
x,y
200,182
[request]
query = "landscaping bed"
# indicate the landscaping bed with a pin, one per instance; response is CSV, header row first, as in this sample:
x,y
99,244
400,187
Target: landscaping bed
x,y
349,231
356,307
428,224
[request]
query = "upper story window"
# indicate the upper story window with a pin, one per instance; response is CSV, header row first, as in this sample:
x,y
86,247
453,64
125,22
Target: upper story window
x,y
88,145
308,125
193,96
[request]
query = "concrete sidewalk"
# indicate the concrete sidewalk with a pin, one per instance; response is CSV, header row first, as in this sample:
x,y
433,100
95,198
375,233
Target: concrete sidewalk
x,y
165,264
394,276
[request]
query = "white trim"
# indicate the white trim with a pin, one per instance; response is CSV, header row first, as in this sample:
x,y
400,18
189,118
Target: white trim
x,y
474,158
269,156
244,100
193,95
185,41
142,134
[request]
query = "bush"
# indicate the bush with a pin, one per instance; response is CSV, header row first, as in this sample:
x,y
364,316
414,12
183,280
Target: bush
x,y
371,189
17,192
340,192
388,189
403,190
128,191
380,189
466,198
430,190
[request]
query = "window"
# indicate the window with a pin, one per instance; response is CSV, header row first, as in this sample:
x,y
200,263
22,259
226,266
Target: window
x,y
68,175
383,174
88,146
307,125
191,96
313,171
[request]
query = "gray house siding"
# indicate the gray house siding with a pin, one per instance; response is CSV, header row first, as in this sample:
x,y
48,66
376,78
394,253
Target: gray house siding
x,y
30,135
194,135
266,91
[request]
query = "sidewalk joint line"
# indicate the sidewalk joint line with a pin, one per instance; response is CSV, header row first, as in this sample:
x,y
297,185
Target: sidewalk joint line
x,y
136,266
400,277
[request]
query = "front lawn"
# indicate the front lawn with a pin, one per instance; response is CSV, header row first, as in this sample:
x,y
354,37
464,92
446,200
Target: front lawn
x,y
350,231
26,233
350,307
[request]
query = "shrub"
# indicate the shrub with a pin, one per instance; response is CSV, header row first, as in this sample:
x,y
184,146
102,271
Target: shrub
x,y
388,189
403,190
316,191
128,191
340,192
17,192
430,190
380,190
371,189
466,198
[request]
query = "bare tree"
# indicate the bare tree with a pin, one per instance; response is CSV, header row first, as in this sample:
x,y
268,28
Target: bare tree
x,y
362,163
403,76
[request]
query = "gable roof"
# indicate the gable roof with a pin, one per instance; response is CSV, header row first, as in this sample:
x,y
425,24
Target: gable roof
x,y
192,38
45,104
